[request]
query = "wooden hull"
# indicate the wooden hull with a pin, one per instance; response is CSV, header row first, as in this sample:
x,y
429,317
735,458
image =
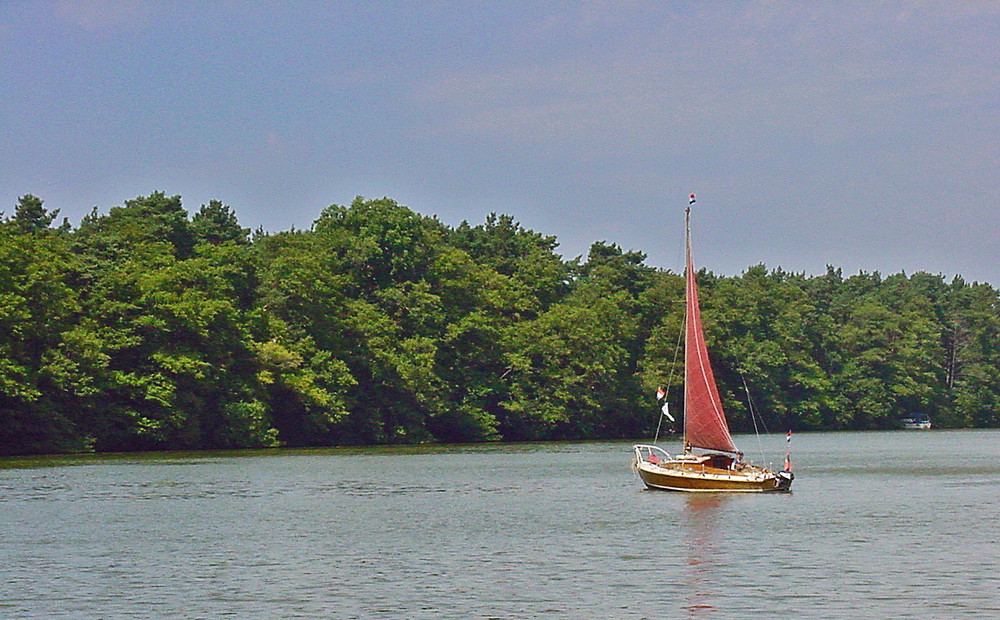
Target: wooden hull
x,y
674,476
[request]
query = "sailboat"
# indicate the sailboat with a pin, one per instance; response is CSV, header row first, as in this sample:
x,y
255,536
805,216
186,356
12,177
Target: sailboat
x,y
720,465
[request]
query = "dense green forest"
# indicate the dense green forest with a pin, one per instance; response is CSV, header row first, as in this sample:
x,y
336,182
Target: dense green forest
x,y
148,328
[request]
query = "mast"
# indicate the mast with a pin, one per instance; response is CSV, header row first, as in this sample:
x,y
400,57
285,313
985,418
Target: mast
x,y
687,317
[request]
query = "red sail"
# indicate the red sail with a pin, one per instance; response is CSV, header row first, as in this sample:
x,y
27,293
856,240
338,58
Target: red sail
x,y
704,421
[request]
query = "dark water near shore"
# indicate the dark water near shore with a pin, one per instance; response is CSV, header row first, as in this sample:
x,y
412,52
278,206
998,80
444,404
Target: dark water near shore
x,y
901,525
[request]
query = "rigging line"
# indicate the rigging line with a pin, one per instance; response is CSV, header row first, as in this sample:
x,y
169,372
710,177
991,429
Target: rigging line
x,y
670,380
659,421
753,418
754,415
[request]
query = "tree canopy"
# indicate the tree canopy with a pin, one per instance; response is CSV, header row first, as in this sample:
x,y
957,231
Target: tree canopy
x,y
147,328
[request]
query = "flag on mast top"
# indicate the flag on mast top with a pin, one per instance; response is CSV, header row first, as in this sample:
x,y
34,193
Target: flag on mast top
x,y
691,199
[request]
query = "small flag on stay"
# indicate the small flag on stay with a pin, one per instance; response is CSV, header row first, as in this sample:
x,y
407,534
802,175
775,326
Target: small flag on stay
x,y
788,438
666,411
660,393
691,199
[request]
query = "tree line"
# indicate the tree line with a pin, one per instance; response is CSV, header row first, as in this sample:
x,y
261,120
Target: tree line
x,y
147,328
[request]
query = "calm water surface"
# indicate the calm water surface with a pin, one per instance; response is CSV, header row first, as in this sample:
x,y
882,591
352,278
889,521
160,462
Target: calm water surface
x,y
888,525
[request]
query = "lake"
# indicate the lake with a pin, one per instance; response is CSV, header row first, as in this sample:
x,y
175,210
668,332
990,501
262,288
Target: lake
x,y
898,524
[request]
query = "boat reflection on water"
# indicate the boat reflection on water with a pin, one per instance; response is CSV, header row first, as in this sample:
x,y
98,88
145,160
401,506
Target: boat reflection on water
x,y
702,518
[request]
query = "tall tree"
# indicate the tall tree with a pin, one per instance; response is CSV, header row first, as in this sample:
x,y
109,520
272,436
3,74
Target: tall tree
x,y
38,308
216,223
31,216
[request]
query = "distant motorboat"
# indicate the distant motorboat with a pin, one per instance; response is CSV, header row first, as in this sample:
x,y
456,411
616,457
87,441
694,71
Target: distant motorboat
x,y
919,421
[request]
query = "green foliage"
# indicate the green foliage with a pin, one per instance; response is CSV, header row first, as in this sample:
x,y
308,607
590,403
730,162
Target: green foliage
x,y
30,216
145,328
215,223
38,308
569,366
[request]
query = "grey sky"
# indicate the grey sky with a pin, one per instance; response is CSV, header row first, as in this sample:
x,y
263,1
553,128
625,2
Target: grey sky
x,y
863,135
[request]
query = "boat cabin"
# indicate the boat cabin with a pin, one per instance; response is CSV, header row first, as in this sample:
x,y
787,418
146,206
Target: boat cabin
x,y
712,460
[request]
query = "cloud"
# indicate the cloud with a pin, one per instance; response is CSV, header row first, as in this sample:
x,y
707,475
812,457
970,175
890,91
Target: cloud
x,y
101,15
831,73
